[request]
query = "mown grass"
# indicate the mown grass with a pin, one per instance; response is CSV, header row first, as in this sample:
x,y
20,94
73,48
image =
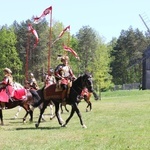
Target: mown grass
x,y
120,121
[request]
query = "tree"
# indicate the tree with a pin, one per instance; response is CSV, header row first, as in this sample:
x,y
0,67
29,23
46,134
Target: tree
x,y
126,53
87,44
8,53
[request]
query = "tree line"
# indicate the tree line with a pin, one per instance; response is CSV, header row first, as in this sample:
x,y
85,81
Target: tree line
x,y
116,62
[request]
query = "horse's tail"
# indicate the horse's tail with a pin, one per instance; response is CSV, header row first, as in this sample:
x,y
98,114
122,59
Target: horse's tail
x,y
40,92
36,104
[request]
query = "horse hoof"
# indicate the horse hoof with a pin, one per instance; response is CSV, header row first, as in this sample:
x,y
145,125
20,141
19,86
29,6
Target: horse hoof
x,y
51,117
63,125
84,126
24,120
43,120
36,125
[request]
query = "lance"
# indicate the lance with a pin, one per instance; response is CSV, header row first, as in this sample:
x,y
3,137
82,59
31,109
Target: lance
x,y
27,56
50,39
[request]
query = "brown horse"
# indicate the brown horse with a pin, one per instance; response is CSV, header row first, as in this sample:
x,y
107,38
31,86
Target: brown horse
x,y
86,95
15,102
50,94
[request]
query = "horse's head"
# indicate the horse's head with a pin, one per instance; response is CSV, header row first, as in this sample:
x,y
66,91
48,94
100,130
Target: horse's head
x,y
87,81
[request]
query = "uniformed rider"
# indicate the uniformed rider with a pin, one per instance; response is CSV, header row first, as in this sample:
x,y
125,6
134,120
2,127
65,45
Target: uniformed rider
x,y
6,89
50,78
33,87
64,76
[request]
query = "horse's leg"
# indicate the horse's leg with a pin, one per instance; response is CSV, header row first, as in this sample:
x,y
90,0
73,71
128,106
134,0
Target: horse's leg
x,y
16,115
87,99
89,105
75,109
95,96
28,111
1,117
79,115
71,114
52,115
66,108
41,113
61,107
40,107
57,113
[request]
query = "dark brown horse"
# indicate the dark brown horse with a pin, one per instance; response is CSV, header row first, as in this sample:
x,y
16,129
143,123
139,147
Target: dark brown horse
x,y
23,103
50,94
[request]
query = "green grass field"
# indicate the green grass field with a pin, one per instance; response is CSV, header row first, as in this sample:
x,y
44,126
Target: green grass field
x,y
120,121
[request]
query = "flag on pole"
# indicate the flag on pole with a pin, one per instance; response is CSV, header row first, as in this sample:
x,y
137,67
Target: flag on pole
x,y
33,31
45,12
68,49
63,31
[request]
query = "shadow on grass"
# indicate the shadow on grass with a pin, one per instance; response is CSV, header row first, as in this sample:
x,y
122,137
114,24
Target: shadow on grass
x,y
39,128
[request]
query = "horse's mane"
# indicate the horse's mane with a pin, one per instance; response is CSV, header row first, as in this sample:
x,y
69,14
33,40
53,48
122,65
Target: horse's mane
x,y
78,80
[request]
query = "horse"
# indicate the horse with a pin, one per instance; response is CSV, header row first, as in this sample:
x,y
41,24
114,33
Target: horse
x,y
40,106
25,101
51,94
86,95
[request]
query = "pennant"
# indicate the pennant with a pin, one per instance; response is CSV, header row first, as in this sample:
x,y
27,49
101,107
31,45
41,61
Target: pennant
x,y
68,49
45,12
63,31
61,34
30,29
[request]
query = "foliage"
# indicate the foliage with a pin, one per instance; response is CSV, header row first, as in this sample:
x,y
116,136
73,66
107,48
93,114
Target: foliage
x,y
8,53
117,62
87,44
126,54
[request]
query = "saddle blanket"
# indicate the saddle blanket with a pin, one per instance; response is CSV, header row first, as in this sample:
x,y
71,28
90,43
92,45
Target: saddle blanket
x,y
20,94
51,92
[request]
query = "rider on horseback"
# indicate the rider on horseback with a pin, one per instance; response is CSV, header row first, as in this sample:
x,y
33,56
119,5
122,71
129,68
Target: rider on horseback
x,y
64,75
49,78
33,86
6,90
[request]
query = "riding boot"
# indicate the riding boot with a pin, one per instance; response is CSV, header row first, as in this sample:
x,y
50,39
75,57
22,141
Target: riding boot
x,y
63,97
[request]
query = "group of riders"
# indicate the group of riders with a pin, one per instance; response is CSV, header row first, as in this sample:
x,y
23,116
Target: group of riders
x,y
62,76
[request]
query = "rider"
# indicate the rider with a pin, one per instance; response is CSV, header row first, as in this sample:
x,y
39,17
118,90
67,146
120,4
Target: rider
x,y
64,75
6,89
50,78
33,87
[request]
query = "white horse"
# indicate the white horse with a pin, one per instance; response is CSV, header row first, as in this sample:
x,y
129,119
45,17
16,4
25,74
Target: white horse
x,y
51,111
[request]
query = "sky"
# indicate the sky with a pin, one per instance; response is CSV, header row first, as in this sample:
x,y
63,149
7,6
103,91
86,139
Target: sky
x,y
107,17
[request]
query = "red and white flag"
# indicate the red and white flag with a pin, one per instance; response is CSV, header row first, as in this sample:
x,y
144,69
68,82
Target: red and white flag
x,y
30,29
68,49
61,34
63,31
45,12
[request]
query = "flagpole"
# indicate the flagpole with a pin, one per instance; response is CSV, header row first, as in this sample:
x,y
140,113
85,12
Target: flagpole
x,y
50,39
68,43
27,56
